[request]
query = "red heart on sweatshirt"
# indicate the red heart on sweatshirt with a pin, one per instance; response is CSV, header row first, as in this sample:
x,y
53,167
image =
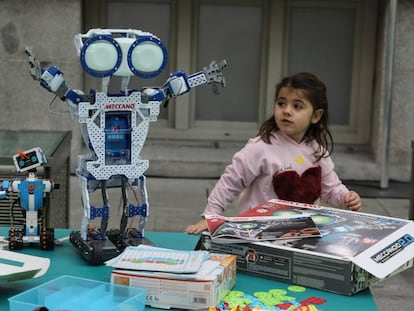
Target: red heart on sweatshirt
x,y
305,188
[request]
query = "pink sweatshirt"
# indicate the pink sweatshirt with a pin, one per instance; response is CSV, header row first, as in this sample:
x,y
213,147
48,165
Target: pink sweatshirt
x,y
251,172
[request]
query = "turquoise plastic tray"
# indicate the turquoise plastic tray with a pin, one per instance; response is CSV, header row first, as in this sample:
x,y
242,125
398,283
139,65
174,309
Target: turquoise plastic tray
x,y
78,294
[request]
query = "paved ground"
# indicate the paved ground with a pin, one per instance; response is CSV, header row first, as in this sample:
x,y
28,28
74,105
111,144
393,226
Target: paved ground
x,y
177,202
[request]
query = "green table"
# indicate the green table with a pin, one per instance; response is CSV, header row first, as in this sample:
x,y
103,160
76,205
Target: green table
x,y
56,147
66,261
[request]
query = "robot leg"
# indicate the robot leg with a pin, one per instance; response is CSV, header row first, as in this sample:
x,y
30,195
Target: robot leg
x,y
144,204
125,206
104,219
131,210
83,183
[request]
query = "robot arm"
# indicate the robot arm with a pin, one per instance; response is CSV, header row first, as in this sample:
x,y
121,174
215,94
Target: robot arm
x,y
52,80
179,83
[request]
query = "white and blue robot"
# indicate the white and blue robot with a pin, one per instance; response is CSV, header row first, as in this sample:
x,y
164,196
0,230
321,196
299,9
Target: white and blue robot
x,y
114,127
31,197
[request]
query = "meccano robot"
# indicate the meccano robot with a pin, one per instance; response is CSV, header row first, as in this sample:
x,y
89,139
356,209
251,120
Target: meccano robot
x,y
31,197
114,127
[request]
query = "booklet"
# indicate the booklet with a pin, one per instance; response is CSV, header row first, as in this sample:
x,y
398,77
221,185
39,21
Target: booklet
x,y
150,258
261,228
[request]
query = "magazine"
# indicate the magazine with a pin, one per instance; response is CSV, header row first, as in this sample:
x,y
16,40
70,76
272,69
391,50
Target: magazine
x,y
277,207
264,228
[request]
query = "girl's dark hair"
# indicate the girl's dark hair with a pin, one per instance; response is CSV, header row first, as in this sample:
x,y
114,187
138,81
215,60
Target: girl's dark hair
x,y
315,91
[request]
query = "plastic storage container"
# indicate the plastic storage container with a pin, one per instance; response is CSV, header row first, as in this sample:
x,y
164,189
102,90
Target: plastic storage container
x,y
78,294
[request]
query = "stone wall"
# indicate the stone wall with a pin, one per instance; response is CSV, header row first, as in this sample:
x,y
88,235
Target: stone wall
x,y
402,129
48,27
402,109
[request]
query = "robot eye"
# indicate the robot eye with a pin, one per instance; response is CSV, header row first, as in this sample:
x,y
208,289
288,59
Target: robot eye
x,y
147,57
101,56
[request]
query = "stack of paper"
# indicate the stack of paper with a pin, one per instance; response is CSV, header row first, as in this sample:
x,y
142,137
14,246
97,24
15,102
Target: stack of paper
x,y
150,258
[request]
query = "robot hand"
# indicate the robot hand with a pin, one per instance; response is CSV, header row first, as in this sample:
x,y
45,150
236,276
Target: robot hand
x,y
214,74
35,68
4,189
51,79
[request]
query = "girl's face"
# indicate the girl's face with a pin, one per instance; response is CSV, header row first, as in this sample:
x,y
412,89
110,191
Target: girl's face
x,y
294,113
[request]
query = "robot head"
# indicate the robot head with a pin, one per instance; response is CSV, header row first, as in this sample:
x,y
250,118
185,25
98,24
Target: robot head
x,y
116,52
29,159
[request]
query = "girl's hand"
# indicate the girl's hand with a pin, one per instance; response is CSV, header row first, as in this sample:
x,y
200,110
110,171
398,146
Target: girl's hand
x,y
197,228
353,201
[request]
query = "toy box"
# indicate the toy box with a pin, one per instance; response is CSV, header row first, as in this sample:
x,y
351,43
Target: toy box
x,y
79,294
355,251
198,290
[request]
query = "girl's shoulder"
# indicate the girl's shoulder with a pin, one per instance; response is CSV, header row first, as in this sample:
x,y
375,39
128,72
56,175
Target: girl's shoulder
x,y
259,148
274,138
258,142
253,145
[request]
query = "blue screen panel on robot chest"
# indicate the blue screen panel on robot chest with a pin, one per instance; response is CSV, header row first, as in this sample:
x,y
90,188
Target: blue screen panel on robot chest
x,y
117,138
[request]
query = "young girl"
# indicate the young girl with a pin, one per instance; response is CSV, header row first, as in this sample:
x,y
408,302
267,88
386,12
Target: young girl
x,y
289,159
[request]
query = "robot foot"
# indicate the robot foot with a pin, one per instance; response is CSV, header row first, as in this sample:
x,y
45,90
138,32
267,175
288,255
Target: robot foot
x,y
98,248
95,251
15,239
47,239
132,238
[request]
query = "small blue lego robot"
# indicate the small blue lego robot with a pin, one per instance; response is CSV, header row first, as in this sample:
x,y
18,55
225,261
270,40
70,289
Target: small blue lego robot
x,y
114,127
31,192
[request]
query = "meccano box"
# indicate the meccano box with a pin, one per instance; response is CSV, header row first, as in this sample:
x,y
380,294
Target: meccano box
x,y
355,251
203,289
